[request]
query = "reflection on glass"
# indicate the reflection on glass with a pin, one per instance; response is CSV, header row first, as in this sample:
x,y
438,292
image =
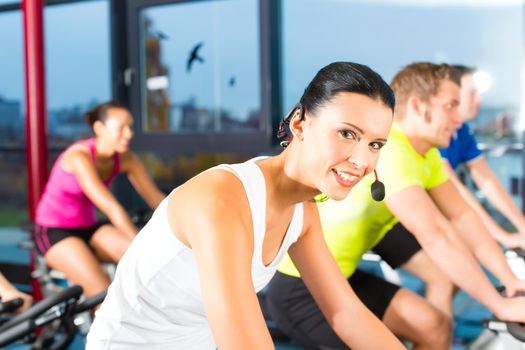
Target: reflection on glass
x,y
9,2
77,67
12,81
200,67
13,173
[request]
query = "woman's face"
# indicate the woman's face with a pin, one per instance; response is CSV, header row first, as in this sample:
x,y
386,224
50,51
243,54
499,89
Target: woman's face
x,y
117,130
341,142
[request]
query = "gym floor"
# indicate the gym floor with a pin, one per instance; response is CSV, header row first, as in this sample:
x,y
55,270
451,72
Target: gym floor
x,y
468,313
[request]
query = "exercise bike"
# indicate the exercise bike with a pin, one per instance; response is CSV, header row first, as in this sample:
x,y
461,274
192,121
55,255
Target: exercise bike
x,y
500,335
50,323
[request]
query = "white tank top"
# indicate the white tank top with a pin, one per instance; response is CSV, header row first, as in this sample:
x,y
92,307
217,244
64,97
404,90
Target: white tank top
x,y
155,301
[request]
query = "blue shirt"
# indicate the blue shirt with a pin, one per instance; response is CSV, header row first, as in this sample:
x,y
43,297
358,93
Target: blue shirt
x,y
463,148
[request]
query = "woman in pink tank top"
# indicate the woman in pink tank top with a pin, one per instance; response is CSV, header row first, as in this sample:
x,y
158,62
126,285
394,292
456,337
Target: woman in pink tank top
x,y
67,232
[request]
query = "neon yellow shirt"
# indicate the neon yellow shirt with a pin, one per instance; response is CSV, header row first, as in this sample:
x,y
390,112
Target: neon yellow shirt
x,y
356,224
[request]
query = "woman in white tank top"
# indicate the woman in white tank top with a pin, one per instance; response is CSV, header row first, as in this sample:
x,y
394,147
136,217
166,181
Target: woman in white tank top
x,y
189,279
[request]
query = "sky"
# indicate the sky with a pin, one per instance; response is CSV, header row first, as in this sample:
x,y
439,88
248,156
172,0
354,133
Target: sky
x,y
383,35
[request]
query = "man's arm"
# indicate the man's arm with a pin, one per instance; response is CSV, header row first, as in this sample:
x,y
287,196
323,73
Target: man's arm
x,y
491,187
416,210
494,229
469,225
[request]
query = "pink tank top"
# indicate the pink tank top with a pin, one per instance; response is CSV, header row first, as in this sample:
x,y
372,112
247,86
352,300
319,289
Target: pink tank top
x,y
63,203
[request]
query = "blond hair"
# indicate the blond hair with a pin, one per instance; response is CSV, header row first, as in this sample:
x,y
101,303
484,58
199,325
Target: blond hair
x,y
421,79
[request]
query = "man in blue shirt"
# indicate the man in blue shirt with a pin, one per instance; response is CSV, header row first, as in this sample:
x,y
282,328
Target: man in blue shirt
x,y
463,149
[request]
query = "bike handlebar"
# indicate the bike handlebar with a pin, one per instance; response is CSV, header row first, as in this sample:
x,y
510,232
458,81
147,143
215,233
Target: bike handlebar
x,y
17,331
40,314
71,293
520,252
11,305
90,303
517,330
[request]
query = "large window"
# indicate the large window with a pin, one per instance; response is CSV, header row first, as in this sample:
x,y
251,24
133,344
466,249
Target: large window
x,y
12,81
200,67
77,70
386,35
77,67
198,76
77,74
13,172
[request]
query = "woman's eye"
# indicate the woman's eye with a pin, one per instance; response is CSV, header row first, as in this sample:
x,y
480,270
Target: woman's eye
x,y
348,134
376,146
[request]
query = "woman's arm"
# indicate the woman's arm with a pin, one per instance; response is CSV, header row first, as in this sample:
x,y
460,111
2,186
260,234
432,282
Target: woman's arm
x,y
140,180
358,327
81,165
212,216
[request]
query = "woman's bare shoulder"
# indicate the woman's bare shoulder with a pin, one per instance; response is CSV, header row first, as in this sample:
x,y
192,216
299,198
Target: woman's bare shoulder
x,y
73,154
214,184
311,216
216,198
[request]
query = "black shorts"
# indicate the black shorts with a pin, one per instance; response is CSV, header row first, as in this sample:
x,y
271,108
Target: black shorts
x,y
46,237
398,246
291,306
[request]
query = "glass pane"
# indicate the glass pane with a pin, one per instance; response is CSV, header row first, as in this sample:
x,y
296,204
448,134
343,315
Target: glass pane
x,y
77,67
13,173
9,2
387,35
12,81
200,67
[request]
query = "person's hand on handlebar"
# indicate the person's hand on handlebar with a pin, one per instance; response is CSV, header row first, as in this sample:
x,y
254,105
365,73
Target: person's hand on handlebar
x,y
13,293
515,240
510,309
9,292
514,287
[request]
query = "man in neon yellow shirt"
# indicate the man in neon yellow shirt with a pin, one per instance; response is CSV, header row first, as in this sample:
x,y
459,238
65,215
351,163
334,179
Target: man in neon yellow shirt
x,y
461,150
420,199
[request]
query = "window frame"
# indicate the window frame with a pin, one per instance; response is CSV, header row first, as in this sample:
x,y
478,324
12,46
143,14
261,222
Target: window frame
x,y
213,142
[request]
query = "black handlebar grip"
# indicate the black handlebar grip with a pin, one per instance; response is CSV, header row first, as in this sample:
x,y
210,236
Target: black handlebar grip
x,y
90,303
11,305
520,252
517,330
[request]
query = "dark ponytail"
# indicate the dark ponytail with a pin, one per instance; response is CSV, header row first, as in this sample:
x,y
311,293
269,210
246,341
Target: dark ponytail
x,y
100,111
